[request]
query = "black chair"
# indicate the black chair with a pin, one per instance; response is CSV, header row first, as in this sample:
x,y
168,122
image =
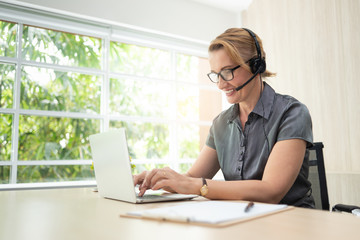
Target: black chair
x,y
317,176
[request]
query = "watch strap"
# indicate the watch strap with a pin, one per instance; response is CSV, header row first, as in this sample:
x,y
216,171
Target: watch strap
x,y
204,188
204,181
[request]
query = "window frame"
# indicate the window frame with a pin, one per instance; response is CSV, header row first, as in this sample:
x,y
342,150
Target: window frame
x,y
22,13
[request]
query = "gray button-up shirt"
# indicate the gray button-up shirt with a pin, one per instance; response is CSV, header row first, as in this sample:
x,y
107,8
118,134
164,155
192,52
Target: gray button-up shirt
x,y
243,153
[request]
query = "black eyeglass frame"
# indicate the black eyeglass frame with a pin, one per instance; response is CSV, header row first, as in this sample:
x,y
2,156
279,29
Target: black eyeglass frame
x,y
232,72
219,74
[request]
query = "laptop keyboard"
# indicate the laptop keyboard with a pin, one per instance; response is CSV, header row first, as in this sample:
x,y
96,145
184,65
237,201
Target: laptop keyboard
x,y
151,197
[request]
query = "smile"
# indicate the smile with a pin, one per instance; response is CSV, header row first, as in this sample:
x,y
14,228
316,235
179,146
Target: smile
x,y
229,91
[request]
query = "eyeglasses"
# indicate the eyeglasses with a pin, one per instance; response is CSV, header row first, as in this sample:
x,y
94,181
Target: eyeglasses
x,y
226,74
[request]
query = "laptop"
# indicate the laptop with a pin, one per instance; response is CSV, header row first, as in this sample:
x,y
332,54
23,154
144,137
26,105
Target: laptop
x,y
113,170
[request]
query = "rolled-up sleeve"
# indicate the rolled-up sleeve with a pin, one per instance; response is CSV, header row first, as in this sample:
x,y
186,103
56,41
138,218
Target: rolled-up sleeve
x,y
296,124
210,138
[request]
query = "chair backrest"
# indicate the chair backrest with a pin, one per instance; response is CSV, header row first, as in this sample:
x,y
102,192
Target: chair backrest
x,y
317,176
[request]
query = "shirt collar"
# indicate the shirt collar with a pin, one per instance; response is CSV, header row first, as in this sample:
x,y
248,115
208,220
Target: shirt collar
x,y
264,105
262,108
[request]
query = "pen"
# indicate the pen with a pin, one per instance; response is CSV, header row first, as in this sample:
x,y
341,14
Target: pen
x,y
249,206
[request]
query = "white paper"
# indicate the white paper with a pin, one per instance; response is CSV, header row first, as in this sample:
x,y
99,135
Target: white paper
x,y
212,212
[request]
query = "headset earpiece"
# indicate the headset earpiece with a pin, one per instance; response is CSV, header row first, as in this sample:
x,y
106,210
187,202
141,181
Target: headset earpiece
x,y
262,66
257,64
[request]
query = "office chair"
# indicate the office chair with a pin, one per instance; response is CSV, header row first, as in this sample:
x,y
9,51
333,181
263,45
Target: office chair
x,y
317,178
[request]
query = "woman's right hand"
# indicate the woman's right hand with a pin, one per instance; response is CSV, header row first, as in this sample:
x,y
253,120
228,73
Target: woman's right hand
x,y
164,178
147,179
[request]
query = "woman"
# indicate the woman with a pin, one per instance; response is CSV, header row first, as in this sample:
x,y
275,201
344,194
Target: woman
x,y
259,143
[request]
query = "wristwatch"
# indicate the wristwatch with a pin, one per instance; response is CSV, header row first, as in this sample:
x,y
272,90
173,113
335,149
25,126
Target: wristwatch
x,y
204,189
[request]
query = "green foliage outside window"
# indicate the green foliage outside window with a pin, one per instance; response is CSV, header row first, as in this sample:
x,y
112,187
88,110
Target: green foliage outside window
x,y
188,146
8,41
140,98
5,136
139,61
46,89
7,77
146,140
49,138
52,138
51,173
48,46
4,174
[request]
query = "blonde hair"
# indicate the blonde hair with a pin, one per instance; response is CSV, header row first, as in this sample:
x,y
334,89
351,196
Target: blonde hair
x,y
240,47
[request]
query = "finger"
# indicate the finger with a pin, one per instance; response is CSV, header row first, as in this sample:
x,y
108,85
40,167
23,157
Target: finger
x,y
147,179
139,178
136,179
142,191
164,185
142,188
160,184
171,182
159,175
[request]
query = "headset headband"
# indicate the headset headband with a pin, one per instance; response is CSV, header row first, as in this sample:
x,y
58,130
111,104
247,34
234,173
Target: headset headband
x,y
256,42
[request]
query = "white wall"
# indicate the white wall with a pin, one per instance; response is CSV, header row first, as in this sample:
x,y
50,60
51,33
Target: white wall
x,y
177,17
313,45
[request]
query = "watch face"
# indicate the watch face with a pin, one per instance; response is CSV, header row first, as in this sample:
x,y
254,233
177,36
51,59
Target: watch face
x,y
204,190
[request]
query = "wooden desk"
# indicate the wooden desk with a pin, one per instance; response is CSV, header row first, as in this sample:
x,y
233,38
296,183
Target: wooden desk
x,y
80,213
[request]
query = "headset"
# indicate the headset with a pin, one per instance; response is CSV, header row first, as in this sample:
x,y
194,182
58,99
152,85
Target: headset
x,y
257,64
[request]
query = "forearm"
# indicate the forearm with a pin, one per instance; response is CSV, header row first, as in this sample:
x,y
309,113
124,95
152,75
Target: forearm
x,y
206,165
249,190
280,173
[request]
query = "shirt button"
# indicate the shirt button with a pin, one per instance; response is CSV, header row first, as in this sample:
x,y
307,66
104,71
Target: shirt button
x,y
239,169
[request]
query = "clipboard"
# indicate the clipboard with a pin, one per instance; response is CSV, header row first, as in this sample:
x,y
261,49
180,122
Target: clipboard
x,y
209,213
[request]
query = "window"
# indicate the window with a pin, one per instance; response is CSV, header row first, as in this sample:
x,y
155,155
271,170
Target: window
x,y
60,84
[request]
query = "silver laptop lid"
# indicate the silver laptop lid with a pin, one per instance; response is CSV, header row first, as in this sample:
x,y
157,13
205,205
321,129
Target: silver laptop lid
x,y
112,165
